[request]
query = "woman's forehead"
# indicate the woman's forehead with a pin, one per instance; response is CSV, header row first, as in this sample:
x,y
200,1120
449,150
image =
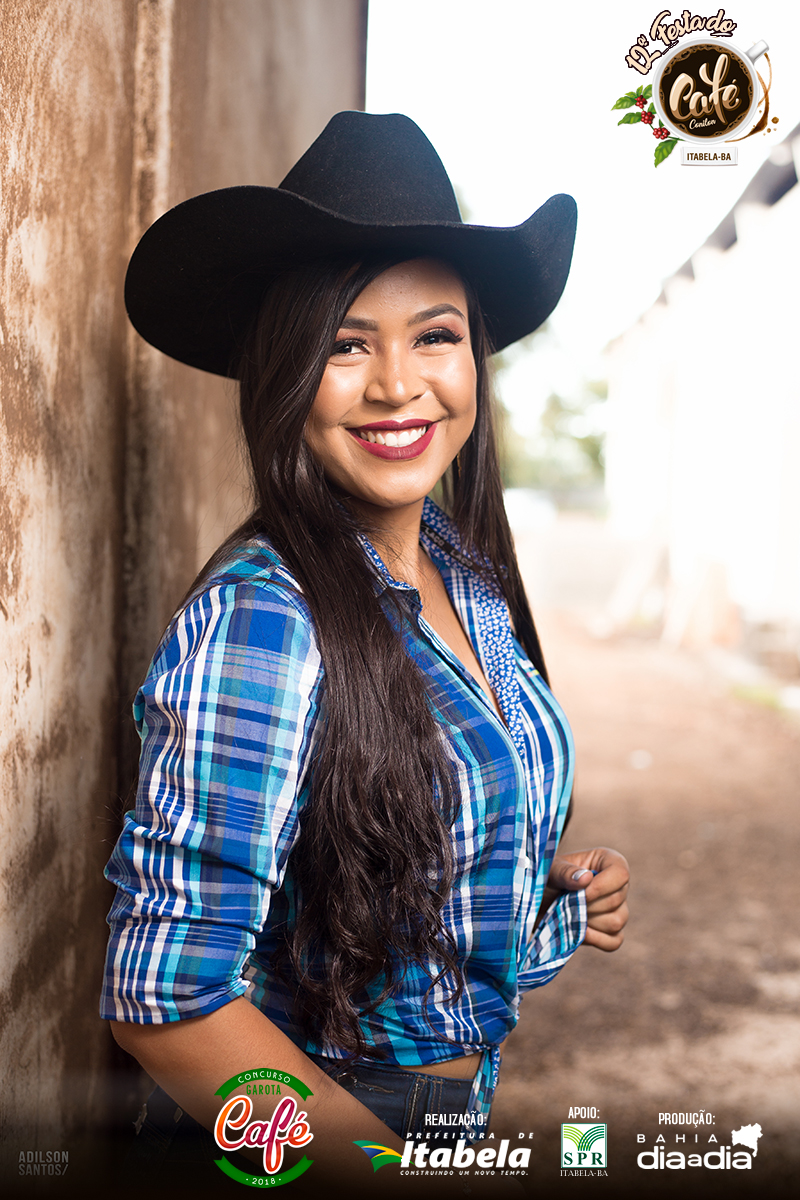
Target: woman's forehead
x,y
413,286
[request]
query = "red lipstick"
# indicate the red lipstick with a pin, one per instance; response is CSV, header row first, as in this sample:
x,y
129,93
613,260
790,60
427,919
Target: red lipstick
x,y
396,453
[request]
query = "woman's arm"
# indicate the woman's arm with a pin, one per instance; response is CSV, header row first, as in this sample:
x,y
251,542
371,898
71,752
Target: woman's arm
x,y
226,717
191,1059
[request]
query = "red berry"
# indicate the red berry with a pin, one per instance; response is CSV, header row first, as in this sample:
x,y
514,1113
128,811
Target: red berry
x,y
640,102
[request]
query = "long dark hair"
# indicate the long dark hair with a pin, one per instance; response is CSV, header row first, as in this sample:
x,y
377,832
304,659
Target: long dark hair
x,y
373,864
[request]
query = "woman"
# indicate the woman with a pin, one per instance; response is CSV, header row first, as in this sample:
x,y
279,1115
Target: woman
x,y
353,776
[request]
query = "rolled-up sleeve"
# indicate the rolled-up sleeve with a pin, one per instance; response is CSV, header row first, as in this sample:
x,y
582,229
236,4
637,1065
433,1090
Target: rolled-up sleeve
x,y
557,937
226,715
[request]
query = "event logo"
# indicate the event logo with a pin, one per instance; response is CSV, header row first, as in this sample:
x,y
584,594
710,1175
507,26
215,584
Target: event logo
x,y
707,93
419,1158
583,1146
288,1126
699,1150
704,91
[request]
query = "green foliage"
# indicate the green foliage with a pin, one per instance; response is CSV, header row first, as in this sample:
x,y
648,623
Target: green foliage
x,y
664,149
630,118
567,453
630,98
567,450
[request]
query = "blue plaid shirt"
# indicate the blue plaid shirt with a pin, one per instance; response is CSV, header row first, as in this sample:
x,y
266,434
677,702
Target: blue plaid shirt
x,y
230,715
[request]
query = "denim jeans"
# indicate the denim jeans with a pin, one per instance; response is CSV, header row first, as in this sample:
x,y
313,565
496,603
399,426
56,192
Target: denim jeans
x,y
404,1099
172,1150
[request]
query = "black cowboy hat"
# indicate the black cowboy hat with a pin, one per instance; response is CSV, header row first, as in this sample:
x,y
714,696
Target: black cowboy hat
x,y
368,183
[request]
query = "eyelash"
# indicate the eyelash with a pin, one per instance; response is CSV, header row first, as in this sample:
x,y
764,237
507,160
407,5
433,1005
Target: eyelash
x,y
346,343
446,335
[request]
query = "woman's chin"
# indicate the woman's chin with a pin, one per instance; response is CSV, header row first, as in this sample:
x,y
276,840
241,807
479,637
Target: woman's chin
x,y
384,503
390,495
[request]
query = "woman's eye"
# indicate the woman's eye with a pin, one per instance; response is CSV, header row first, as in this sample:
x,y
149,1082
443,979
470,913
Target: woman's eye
x,y
434,337
347,346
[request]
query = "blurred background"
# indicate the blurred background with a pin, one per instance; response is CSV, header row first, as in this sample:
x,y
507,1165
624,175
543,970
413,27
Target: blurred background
x,y
651,440
652,434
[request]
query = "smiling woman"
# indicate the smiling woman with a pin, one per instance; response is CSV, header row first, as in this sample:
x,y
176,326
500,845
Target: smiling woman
x,y
354,777
401,392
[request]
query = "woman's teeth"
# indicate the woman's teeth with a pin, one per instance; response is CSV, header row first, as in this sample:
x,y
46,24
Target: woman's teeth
x,y
403,437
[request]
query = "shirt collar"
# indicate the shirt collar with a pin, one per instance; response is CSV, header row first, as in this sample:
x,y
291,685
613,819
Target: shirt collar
x,y
492,628
442,541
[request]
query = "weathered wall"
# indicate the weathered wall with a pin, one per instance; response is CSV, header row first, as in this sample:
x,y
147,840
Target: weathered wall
x,y
120,470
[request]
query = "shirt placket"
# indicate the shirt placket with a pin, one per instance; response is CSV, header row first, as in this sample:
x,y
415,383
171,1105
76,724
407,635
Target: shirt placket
x,y
495,653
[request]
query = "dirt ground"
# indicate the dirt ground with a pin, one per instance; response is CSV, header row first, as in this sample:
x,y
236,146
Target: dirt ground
x,y
699,1009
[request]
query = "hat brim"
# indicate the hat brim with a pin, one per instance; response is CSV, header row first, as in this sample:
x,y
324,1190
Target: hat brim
x,y
198,274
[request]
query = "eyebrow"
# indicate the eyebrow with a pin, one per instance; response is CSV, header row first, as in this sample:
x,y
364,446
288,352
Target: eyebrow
x,y
358,323
438,310
427,314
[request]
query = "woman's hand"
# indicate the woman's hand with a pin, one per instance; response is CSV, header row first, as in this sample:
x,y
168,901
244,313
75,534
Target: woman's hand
x,y
606,891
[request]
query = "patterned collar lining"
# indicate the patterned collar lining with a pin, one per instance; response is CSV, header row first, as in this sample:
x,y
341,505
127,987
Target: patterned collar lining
x,y
495,648
438,529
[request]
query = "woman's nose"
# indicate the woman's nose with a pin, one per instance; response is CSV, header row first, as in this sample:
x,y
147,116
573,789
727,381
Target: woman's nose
x,y
395,379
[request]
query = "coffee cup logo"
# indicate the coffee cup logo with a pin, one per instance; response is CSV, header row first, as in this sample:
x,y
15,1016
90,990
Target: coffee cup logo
x,y
706,91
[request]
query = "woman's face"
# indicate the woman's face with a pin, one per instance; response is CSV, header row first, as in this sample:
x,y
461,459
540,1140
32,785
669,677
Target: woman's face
x,y
398,397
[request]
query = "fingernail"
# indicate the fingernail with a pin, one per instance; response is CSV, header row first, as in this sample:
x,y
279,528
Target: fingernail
x,y
583,871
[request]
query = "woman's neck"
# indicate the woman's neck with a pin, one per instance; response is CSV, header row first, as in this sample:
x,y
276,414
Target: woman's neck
x,y
394,532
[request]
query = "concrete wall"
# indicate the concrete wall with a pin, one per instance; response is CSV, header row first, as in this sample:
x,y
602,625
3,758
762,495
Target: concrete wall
x,y
120,470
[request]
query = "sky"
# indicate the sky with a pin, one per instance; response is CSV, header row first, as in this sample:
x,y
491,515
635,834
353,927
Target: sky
x,y
516,96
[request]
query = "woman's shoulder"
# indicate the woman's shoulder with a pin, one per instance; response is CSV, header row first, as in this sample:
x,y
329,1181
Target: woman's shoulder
x,y
253,563
248,599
